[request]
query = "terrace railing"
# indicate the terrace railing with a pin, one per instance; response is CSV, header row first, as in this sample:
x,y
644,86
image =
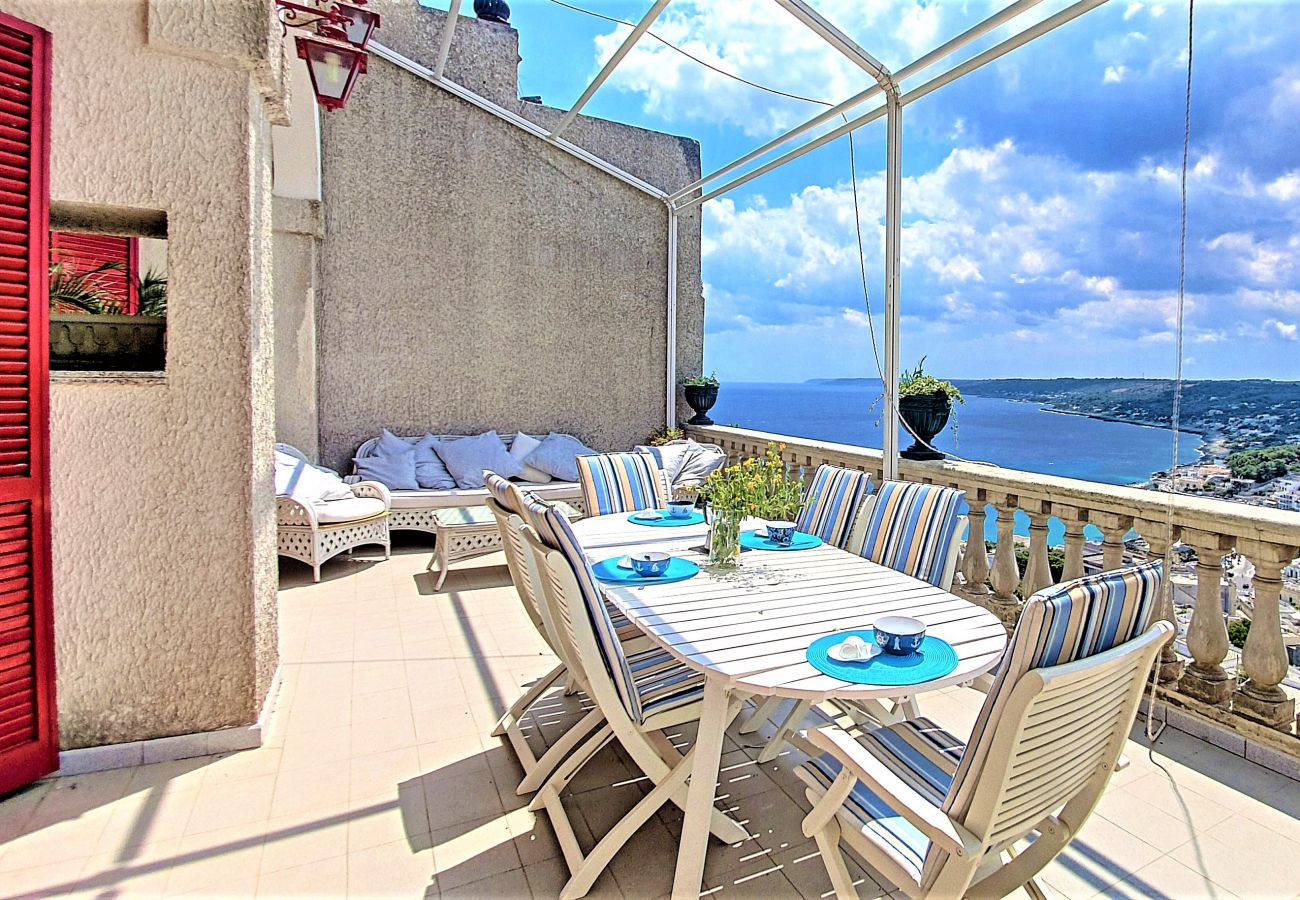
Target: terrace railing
x,y
1200,681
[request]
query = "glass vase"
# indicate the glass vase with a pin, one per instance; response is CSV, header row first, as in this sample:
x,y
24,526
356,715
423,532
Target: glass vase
x,y
724,539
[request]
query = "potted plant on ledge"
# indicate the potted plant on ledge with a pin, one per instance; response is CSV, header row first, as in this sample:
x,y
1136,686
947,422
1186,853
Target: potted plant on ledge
x,y
90,328
924,405
701,393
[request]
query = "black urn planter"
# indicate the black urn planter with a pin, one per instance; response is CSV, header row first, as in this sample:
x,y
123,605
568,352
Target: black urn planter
x,y
492,11
701,397
925,416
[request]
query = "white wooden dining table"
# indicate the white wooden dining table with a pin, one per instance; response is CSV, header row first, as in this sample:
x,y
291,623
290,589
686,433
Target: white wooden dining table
x,y
748,630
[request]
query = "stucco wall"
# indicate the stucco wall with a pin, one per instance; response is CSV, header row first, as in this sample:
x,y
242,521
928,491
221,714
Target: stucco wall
x,y
163,519
473,277
297,237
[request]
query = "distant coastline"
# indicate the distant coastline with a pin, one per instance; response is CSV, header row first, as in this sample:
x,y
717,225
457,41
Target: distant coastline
x,y
1228,415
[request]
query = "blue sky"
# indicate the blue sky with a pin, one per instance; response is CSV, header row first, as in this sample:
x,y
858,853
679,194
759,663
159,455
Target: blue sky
x,y
1041,193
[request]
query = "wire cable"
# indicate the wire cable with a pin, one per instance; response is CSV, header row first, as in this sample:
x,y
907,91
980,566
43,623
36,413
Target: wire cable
x,y
708,65
1175,417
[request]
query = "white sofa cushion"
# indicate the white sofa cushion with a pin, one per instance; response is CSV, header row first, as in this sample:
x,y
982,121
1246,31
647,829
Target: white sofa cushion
x,y
521,446
304,482
333,511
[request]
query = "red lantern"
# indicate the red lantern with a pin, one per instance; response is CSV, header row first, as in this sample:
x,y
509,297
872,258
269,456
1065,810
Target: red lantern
x,y
333,67
360,24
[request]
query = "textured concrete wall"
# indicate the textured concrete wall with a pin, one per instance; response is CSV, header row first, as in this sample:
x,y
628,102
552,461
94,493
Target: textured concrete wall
x,y
475,277
297,238
163,519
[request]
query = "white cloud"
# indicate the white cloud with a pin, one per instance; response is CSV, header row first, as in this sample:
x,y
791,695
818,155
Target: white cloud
x,y
1288,330
1284,188
1114,74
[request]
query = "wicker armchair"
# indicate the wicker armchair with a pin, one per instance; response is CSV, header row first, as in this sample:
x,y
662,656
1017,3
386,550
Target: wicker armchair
x,y
314,533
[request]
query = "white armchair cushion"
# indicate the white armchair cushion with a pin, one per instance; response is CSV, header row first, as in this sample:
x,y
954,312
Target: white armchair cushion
x,y
305,483
334,511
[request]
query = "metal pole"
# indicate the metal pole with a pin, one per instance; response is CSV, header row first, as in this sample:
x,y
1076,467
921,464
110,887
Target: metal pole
x,y
670,400
518,121
838,40
893,271
608,69
851,125
858,99
444,46
1002,49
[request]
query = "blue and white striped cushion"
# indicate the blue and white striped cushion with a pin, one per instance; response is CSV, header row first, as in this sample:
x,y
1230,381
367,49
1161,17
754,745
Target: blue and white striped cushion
x,y
1060,624
647,683
911,528
923,756
505,492
621,482
832,503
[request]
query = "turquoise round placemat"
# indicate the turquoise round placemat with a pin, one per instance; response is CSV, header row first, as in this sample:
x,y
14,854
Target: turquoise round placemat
x,y
935,659
609,571
667,521
754,541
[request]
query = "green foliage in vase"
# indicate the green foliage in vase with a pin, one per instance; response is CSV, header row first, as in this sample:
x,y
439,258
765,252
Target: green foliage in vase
x,y
702,380
916,383
763,487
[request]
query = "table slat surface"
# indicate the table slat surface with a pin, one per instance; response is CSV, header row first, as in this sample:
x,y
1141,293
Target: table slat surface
x,y
753,626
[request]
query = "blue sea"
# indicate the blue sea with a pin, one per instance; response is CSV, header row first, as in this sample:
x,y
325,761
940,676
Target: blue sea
x,y
1009,433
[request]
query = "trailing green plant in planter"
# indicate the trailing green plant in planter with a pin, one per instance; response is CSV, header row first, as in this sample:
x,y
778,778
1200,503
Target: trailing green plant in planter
x,y
925,404
90,329
701,393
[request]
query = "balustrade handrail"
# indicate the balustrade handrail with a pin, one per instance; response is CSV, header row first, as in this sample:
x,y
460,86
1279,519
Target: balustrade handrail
x,y
1239,520
1270,538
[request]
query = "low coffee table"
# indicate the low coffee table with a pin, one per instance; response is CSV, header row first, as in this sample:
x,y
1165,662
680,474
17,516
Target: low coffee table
x,y
464,532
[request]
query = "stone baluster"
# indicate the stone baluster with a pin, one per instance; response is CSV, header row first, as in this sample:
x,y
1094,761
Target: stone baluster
x,y
1207,635
1159,537
1114,527
1264,658
1038,572
1075,521
1005,577
975,564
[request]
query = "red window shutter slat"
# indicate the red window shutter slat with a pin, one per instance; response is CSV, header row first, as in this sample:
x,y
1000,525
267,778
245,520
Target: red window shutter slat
x,y
79,253
28,734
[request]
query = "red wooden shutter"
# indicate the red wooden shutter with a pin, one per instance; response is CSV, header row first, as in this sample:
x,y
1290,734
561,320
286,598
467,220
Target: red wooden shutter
x,y
28,738
80,252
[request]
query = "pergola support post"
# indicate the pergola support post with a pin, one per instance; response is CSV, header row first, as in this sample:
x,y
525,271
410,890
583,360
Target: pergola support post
x,y
893,273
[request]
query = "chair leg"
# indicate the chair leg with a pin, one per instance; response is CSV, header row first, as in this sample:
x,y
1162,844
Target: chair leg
x,y
315,572
531,696
765,711
828,842
557,752
599,857
790,723
558,780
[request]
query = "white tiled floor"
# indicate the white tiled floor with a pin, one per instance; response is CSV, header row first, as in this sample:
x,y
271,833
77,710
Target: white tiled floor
x,y
379,779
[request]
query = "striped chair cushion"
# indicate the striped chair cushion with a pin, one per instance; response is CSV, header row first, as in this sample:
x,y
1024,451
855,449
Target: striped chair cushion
x,y
832,503
647,683
925,757
505,492
1060,624
621,482
911,528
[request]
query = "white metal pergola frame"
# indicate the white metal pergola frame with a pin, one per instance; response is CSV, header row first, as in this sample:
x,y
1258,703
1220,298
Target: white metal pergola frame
x,y
688,197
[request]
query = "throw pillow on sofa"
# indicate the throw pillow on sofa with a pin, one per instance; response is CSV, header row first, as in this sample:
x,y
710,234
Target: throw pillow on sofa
x,y
520,447
557,456
430,471
305,483
392,464
466,459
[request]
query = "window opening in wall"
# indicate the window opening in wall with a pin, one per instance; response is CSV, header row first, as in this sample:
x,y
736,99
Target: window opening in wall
x,y
108,292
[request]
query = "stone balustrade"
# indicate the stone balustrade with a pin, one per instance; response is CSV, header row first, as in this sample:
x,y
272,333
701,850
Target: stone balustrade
x,y
1269,538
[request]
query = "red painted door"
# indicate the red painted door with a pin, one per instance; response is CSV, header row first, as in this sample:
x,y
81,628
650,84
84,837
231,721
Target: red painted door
x,y
29,745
